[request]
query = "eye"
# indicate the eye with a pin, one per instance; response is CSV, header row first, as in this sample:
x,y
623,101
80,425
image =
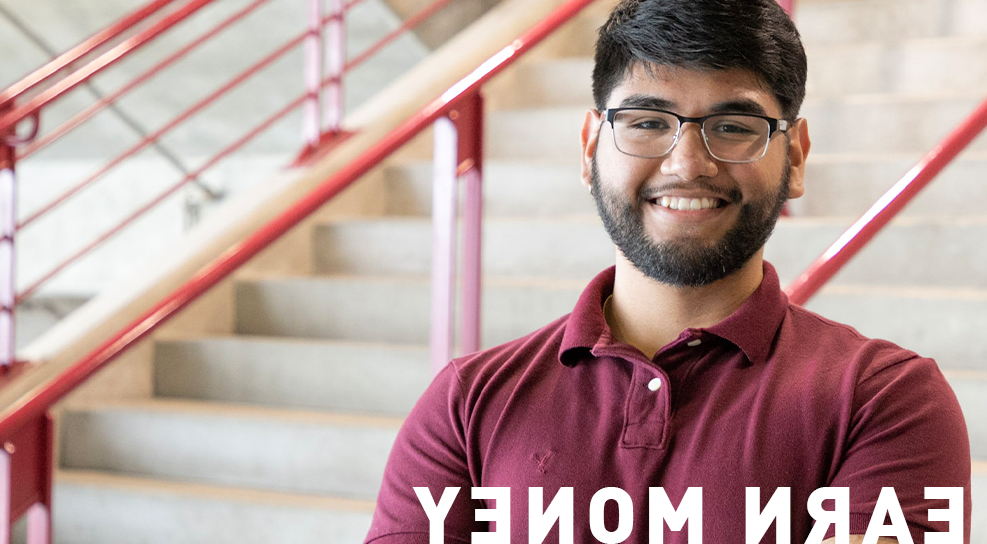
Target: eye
x,y
728,128
649,124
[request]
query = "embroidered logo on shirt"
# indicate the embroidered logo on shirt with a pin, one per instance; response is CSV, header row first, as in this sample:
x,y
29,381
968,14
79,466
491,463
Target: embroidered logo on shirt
x,y
542,460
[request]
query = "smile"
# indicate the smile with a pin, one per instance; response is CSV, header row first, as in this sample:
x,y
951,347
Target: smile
x,y
687,204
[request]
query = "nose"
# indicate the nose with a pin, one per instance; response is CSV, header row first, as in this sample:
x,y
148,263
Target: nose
x,y
689,158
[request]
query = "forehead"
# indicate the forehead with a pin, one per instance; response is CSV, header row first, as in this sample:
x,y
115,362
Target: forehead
x,y
694,92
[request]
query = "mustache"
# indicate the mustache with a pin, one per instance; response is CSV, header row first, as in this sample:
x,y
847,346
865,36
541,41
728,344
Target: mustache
x,y
704,184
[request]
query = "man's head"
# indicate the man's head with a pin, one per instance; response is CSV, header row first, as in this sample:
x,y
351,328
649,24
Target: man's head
x,y
694,59
753,35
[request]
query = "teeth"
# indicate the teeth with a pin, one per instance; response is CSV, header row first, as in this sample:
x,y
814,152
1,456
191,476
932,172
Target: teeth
x,y
685,204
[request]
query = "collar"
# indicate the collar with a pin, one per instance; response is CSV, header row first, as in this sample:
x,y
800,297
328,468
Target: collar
x,y
752,327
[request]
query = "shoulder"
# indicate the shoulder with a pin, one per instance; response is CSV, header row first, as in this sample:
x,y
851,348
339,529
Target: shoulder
x,y
813,339
500,365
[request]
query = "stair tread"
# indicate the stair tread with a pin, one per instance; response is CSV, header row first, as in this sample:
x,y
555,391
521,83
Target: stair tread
x,y
236,411
99,478
271,339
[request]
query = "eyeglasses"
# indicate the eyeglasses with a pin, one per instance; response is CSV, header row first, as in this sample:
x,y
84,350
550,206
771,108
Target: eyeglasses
x,y
729,137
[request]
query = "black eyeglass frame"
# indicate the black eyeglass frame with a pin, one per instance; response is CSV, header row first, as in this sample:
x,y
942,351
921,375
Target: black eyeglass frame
x,y
774,125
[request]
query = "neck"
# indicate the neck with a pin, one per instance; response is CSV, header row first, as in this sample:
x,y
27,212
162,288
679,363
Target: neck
x,y
649,315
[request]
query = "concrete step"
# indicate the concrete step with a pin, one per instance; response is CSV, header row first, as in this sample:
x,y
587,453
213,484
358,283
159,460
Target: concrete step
x,y
579,247
390,308
570,247
379,379
877,123
887,123
836,184
922,66
943,323
927,66
946,247
850,184
93,507
843,21
510,188
272,449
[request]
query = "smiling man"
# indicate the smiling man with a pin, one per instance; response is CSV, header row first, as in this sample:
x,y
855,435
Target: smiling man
x,y
684,366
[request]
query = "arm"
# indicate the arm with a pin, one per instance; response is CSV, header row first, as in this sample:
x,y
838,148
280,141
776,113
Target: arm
x,y
430,451
906,431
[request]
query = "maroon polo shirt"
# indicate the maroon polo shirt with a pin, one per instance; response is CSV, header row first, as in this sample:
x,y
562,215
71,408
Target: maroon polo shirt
x,y
773,396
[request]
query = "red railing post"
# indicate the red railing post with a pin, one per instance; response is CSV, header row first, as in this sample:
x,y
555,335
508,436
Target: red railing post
x,y
469,124
458,152
26,462
444,199
311,127
335,65
8,227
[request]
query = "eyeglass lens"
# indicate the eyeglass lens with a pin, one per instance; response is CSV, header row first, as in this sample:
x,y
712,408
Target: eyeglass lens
x,y
731,137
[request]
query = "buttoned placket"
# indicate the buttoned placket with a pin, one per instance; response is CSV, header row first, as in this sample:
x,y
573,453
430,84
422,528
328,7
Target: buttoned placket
x,y
647,416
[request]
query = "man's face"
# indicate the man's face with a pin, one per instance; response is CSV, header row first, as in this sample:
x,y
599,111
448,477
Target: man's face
x,y
637,197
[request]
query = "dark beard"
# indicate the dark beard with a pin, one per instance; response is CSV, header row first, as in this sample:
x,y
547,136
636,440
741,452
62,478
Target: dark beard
x,y
680,263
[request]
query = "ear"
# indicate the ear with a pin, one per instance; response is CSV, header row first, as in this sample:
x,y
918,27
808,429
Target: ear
x,y
589,137
798,150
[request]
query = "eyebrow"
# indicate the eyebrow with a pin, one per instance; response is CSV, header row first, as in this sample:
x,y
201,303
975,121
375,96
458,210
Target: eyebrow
x,y
646,101
742,105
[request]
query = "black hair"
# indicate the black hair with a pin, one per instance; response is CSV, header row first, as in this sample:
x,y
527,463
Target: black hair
x,y
753,35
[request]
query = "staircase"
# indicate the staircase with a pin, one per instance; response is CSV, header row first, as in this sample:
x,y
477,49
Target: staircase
x,y
280,431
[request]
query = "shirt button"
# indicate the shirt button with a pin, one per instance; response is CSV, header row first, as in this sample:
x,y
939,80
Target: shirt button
x,y
654,384
694,343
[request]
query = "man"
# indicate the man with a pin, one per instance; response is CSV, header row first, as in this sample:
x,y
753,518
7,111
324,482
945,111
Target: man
x,y
684,366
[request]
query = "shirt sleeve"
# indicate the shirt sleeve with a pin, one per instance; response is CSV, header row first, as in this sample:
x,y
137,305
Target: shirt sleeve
x,y
906,431
430,451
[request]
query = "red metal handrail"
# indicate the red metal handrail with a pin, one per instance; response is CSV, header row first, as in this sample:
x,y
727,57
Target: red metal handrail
x,y
886,208
65,60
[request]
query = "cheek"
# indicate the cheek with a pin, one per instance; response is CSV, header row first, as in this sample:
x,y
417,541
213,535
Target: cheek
x,y
622,173
757,181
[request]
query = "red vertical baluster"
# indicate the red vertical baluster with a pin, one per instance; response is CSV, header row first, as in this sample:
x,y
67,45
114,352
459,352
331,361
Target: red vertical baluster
x,y
444,178
311,129
335,62
8,227
26,462
470,127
